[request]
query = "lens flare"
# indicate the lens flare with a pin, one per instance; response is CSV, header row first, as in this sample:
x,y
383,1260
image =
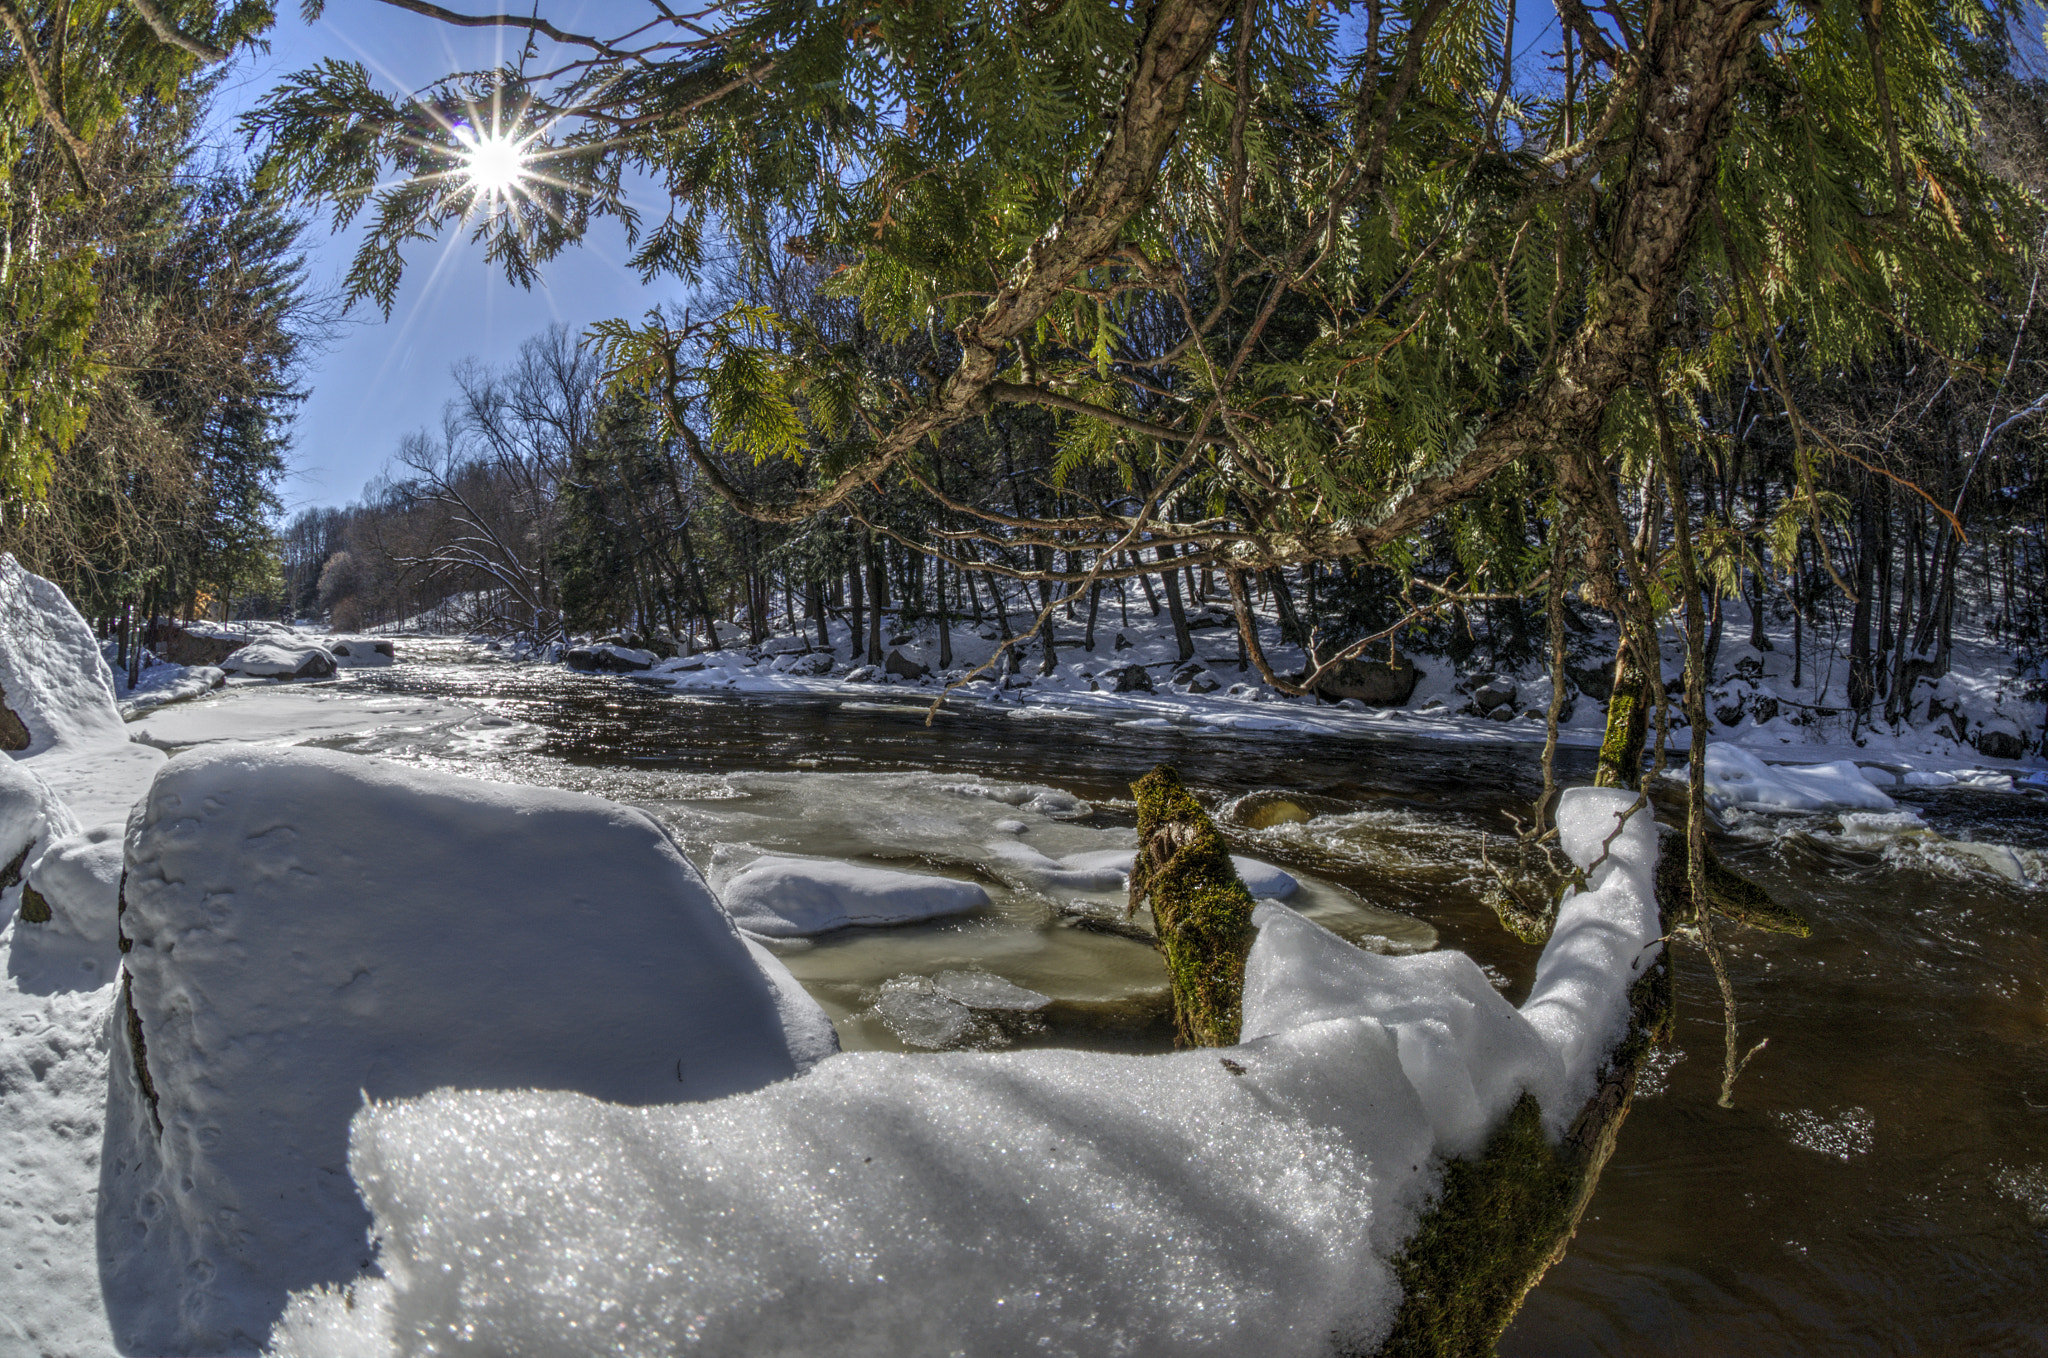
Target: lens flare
x,y
495,165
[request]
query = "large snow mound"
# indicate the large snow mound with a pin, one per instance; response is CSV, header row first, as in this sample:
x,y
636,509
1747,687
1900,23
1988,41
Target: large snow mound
x,y
1737,778
780,897
52,676
1239,1202
310,928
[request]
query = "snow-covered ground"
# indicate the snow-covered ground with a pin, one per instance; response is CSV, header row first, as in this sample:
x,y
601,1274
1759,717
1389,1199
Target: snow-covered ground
x,y
416,1007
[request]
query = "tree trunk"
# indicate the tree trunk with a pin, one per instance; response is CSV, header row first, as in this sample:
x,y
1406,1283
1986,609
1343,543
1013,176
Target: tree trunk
x,y
1183,638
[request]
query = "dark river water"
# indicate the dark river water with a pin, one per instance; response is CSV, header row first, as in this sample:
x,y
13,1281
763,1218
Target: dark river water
x,y
1880,1187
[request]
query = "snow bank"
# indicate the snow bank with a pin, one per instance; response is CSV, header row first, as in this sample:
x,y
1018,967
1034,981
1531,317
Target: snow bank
x,y
284,659
779,897
31,816
57,701
52,676
1236,1202
310,928
162,685
1737,778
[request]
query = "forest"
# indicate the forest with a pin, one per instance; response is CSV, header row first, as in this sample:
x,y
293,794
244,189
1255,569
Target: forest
x,y
1137,390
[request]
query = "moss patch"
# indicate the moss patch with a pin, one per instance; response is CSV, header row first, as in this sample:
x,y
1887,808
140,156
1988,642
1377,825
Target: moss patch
x,y
1628,726
1202,911
34,909
1483,1244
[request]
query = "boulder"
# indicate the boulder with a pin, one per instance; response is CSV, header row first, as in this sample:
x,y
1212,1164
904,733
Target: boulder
x,y
281,660
194,645
811,666
904,667
902,639
1123,643
607,658
307,929
1495,693
1377,683
1595,681
361,652
1998,742
789,645
866,674
1126,679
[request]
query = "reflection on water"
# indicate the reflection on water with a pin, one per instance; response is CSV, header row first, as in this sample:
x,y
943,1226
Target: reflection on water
x,y
1881,1187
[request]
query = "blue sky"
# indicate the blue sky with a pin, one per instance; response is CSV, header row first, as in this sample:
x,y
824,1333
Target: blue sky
x,y
378,380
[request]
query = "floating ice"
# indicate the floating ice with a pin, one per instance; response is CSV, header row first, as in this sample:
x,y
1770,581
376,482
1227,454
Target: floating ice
x,y
981,990
779,897
918,1013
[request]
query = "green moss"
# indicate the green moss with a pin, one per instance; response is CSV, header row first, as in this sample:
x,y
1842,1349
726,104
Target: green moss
x,y
1499,1220
1628,727
1202,911
34,909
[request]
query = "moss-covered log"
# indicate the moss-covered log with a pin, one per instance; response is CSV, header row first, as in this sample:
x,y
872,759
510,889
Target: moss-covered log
x,y
1509,1213
1201,910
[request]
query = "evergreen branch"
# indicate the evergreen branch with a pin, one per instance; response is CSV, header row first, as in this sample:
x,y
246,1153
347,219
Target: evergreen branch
x,y
169,33
47,100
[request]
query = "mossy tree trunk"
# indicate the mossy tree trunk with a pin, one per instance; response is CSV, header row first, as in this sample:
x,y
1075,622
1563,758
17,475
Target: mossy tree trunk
x,y
1203,912
1628,721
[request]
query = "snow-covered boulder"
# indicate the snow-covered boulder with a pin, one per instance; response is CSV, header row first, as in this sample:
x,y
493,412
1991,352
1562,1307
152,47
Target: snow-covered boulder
x,y
778,897
605,658
1737,778
281,660
361,652
309,928
32,816
57,707
1245,1201
161,685
55,688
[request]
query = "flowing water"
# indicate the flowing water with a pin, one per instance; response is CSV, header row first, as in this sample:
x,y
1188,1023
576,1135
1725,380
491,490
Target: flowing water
x,y
1880,1187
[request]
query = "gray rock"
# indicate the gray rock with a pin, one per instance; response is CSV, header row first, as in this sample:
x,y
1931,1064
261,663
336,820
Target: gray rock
x,y
1123,643
1493,694
1993,743
1375,683
903,666
866,674
810,666
1126,679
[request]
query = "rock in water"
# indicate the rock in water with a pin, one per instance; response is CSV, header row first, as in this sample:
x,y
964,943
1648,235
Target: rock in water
x,y
281,660
304,929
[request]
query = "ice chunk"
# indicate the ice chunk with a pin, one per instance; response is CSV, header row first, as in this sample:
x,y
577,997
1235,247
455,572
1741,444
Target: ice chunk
x,y
918,1013
1735,777
309,928
780,897
982,990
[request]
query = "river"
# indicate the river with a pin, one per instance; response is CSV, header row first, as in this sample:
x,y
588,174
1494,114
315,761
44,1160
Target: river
x,y
1881,1185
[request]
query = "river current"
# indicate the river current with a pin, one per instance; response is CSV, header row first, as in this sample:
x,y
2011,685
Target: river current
x,y
1880,1187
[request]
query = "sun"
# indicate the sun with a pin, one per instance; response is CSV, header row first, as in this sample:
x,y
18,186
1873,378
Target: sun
x,y
494,166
